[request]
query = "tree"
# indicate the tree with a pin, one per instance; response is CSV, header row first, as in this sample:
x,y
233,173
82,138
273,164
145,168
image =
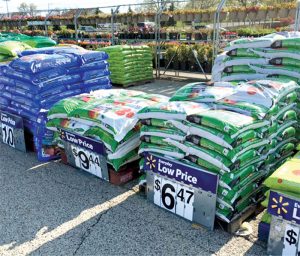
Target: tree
x,y
130,10
25,9
32,9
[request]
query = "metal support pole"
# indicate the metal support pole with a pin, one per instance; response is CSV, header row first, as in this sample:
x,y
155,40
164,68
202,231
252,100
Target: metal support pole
x,y
113,13
46,19
160,9
217,25
297,17
76,16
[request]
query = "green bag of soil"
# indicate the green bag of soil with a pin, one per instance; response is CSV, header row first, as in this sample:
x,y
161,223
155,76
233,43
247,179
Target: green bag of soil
x,y
286,178
163,150
162,133
227,122
174,110
203,92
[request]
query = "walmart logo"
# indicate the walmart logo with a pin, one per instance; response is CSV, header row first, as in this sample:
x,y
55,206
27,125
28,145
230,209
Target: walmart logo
x,y
279,205
62,134
151,162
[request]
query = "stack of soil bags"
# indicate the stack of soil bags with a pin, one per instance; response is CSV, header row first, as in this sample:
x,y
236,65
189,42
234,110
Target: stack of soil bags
x,y
33,41
285,180
129,64
105,115
275,55
240,131
32,83
10,50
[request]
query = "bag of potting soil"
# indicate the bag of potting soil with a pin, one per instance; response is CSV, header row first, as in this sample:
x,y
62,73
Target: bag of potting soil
x,y
241,190
280,132
153,97
117,117
67,124
12,48
284,62
93,74
162,132
261,42
153,140
242,69
110,143
285,178
172,110
62,108
227,122
203,92
117,163
274,53
38,41
244,53
164,150
287,43
276,70
215,135
242,77
233,154
230,180
158,123
36,79
42,62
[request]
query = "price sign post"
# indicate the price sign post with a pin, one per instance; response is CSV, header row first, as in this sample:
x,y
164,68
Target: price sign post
x,y
284,238
181,189
85,153
12,131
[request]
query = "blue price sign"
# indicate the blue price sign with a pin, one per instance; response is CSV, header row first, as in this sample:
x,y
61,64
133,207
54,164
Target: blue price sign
x,y
85,153
284,206
12,131
182,189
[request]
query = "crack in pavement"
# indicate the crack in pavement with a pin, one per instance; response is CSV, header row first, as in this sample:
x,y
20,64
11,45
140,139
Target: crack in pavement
x,y
89,230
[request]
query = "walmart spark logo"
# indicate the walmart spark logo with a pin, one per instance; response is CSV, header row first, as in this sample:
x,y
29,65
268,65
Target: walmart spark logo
x,y
62,134
279,205
151,162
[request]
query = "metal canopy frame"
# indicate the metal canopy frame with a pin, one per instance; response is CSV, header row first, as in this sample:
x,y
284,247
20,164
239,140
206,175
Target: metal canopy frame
x,y
297,17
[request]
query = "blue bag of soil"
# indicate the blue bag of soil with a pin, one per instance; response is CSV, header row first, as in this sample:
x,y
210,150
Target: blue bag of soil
x,y
42,62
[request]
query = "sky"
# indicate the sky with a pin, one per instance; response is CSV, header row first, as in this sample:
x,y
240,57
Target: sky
x,y
43,4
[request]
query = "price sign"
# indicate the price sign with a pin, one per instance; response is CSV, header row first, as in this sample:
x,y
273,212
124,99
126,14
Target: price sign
x,y
12,131
174,197
290,241
181,189
284,236
85,153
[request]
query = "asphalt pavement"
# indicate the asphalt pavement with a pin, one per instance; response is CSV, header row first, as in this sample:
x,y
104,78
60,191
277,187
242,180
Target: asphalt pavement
x,y
54,209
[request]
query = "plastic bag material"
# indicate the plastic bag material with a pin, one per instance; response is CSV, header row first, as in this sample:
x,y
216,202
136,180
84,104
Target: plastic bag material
x,y
261,42
12,48
285,178
154,140
67,124
162,133
172,110
233,154
228,122
128,158
42,62
203,92
110,143
163,150
117,117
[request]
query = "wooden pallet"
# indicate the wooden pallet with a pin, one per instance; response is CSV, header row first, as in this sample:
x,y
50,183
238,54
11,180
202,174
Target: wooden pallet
x,y
127,173
235,224
134,83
